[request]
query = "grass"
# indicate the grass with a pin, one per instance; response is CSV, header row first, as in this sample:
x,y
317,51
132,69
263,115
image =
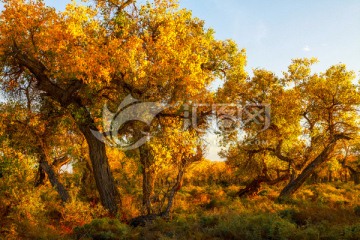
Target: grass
x,y
322,211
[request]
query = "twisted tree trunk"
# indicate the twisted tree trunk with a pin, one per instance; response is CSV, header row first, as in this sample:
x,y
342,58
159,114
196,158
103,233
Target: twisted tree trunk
x,y
253,188
67,96
295,184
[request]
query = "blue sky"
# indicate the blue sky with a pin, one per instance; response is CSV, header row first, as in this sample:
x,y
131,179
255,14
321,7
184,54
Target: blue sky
x,y
275,31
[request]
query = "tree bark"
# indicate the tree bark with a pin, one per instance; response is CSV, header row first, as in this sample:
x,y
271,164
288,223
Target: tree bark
x,y
253,188
56,165
314,177
356,177
172,193
40,177
148,178
295,184
49,170
66,97
101,169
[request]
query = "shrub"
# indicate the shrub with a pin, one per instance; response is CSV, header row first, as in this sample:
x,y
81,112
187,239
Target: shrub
x,y
352,232
104,228
294,216
209,221
254,227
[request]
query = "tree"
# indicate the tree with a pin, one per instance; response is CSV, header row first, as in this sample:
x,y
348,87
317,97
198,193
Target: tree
x,y
329,104
348,153
87,55
28,134
255,154
310,114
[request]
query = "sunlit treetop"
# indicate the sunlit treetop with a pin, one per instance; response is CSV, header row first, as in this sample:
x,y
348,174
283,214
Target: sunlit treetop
x,y
156,51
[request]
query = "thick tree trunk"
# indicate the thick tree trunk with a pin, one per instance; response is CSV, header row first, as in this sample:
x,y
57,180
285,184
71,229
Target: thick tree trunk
x,y
295,184
148,178
101,169
67,96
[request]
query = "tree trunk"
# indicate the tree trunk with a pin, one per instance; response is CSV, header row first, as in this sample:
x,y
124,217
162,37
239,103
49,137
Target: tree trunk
x,y
177,186
330,177
148,178
252,188
356,177
40,177
101,169
295,184
67,96
346,176
56,165
49,170
314,178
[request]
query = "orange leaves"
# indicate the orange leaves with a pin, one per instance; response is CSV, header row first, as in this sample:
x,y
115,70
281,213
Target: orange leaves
x,y
159,49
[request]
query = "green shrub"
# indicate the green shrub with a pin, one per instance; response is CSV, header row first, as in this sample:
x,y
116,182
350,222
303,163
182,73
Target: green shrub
x,y
209,221
294,216
214,203
352,232
254,227
104,228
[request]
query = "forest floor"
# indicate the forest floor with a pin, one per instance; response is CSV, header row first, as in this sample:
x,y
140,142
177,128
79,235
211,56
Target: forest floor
x,y
319,211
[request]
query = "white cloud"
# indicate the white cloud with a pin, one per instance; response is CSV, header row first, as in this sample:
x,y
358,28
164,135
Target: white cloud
x,y
306,48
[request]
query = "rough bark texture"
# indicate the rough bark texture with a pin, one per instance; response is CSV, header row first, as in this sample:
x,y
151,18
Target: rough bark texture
x,y
67,96
295,184
101,169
